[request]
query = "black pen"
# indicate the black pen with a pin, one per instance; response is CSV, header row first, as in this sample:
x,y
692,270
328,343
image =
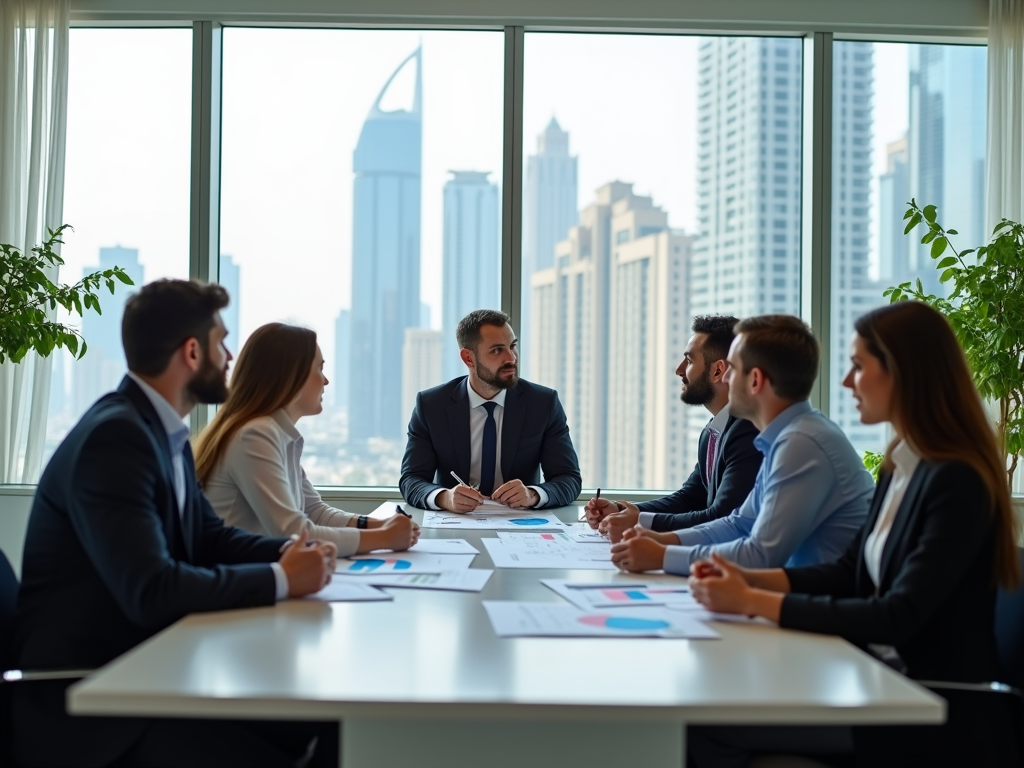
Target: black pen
x,y
402,511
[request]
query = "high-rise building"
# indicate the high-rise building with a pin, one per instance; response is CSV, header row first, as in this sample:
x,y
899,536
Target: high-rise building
x,y
342,358
230,280
103,365
893,194
421,367
549,210
471,257
947,145
385,259
611,322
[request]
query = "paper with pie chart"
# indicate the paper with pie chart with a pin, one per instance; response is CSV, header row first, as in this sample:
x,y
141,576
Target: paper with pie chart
x,y
518,619
546,549
497,521
401,562
625,593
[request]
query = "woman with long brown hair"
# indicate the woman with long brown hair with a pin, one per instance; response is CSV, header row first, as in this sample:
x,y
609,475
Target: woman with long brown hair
x,y
918,584
248,458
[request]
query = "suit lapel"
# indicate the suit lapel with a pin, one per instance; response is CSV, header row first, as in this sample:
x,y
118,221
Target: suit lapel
x,y
189,523
702,460
511,428
900,522
156,427
458,424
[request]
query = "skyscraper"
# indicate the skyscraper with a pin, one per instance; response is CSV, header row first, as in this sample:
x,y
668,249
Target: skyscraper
x,y
385,259
893,194
421,367
947,145
471,260
230,279
103,365
342,358
549,210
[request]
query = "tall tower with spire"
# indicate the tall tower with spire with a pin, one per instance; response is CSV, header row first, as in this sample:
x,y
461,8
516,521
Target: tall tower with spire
x,y
385,259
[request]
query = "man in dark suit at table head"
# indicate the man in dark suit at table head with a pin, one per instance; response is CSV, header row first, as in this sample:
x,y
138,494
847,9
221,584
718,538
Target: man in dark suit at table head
x,y
727,461
121,543
493,430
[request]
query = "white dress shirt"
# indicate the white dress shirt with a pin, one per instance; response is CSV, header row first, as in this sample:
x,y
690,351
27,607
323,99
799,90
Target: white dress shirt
x,y
905,462
259,486
477,419
177,435
716,425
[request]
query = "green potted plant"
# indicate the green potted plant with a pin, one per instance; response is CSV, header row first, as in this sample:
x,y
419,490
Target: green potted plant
x,y
986,310
27,296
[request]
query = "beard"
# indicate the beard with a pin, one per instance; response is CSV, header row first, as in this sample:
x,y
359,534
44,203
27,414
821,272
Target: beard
x,y
208,385
700,391
495,378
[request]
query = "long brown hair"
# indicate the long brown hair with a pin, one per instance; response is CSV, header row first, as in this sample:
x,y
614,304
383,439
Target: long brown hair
x,y
271,370
938,411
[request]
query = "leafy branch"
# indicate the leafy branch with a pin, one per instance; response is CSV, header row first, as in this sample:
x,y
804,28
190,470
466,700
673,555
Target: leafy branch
x,y
986,310
28,296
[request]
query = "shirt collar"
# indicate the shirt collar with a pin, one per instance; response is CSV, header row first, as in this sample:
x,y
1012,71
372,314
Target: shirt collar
x,y
475,400
721,419
286,424
764,441
905,458
173,424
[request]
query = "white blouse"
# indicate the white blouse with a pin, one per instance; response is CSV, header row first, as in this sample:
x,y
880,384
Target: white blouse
x,y
260,486
905,461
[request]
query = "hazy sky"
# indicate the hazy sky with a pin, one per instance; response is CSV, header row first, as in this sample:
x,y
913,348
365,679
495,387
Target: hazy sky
x,y
294,102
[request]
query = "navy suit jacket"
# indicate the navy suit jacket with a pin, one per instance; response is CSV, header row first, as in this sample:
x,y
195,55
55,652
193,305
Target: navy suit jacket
x,y
534,437
109,561
935,601
702,499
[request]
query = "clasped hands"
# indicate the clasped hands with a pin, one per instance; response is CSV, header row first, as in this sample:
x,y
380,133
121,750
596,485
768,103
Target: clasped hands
x,y
464,498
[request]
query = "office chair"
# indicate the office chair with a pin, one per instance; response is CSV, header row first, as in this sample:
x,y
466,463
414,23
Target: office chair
x,y
10,677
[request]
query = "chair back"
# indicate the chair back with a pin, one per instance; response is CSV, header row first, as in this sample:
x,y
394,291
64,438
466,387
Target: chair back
x,y
1010,633
8,599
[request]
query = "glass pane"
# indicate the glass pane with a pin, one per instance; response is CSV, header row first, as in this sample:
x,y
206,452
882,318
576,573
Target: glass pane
x,y
908,122
361,172
126,191
662,181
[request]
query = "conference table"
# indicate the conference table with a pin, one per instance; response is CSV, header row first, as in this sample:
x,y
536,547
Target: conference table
x,y
424,681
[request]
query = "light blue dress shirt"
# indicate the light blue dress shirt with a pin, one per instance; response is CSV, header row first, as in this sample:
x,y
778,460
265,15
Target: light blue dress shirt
x,y
810,498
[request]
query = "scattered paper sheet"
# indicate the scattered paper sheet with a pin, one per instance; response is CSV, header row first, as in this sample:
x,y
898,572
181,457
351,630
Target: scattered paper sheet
x,y
515,619
546,550
624,594
468,580
534,521
443,547
584,534
402,562
489,505
345,590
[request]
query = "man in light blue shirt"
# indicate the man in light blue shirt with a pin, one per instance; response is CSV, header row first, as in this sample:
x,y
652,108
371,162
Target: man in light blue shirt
x,y
812,493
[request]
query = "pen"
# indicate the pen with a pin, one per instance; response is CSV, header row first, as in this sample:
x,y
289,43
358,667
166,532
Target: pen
x,y
461,481
596,497
402,511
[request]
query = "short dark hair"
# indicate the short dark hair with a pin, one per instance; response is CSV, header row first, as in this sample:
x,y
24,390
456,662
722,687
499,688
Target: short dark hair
x,y
468,331
720,333
162,316
785,350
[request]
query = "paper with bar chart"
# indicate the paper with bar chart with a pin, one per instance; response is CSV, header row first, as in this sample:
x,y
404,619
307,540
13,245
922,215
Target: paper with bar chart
x,y
402,562
492,521
625,593
465,580
520,619
547,549
584,534
348,590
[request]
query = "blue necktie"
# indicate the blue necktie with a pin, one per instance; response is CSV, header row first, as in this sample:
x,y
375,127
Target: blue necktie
x,y
489,451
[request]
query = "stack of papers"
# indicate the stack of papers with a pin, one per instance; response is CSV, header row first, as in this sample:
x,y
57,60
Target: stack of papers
x,y
547,550
516,619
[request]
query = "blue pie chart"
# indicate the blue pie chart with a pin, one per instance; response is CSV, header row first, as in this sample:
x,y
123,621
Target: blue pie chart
x,y
530,521
627,623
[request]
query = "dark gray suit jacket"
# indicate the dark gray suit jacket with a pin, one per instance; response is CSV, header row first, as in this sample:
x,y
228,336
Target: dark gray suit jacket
x,y
534,438
703,499
109,562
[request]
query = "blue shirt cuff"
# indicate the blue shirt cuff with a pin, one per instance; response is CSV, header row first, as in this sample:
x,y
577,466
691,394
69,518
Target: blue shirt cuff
x,y
677,560
281,580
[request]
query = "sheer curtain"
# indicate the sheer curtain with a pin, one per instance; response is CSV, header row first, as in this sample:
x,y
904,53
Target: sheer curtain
x,y
33,120
1004,156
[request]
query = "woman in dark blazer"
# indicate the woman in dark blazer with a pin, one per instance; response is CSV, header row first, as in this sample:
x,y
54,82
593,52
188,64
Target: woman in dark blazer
x,y
918,584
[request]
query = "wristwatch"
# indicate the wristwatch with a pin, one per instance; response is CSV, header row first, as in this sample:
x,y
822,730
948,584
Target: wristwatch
x,y
361,521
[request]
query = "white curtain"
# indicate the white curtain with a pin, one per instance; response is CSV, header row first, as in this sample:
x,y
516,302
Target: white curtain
x,y
1004,156
33,121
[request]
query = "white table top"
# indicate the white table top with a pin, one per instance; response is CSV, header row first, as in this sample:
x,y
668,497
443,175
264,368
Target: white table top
x,y
434,654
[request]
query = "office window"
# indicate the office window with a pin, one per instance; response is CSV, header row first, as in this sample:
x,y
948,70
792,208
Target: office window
x,y
126,191
922,128
622,133
360,197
